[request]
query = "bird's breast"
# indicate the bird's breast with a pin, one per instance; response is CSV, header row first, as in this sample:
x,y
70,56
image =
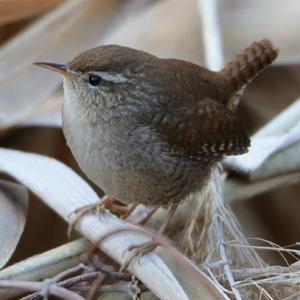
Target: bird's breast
x,y
129,164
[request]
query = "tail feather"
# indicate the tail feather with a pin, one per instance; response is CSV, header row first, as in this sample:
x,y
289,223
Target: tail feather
x,y
248,65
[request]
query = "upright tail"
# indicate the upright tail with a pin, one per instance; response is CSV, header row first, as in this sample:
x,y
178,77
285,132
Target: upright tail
x,y
255,58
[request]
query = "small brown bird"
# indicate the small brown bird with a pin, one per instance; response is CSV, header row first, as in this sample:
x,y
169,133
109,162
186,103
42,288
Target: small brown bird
x,y
146,129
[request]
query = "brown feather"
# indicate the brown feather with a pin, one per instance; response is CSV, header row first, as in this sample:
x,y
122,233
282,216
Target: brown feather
x,y
246,66
207,131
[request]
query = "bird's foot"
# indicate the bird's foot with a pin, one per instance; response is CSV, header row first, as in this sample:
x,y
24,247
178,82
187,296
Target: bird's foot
x,y
78,213
142,249
104,203
138,251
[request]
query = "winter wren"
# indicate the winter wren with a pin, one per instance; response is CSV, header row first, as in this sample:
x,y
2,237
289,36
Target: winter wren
x,y
146,129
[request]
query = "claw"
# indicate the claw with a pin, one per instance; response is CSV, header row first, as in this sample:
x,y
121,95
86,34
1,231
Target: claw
x,y
141,250
138,252
81,211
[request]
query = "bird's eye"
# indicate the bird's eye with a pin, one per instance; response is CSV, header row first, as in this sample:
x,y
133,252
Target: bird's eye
x,y
94,80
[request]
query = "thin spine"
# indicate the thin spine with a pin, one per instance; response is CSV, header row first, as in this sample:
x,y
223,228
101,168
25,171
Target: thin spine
x,y
224,257
213,48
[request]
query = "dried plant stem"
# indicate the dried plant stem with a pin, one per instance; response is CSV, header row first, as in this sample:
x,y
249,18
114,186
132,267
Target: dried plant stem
x,y
39,286
58,277
236,189
274,148
69,272
279,249
111,288
95,286
293,296
211,34
43,266
74,282
68,283
225,258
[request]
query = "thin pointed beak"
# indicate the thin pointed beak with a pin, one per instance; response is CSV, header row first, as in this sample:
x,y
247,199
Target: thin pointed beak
x,y
60,68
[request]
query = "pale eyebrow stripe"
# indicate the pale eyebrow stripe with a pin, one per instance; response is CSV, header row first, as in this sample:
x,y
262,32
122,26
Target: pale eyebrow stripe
x,y
114,77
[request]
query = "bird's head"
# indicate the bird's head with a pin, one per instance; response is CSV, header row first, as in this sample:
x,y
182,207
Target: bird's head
x,y
106,76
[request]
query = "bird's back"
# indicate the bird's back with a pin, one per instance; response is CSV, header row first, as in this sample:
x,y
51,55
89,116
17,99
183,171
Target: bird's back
x,y
198,83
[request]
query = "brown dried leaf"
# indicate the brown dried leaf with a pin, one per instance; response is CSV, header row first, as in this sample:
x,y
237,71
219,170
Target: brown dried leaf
x,y
274,148
158,31
15,10
242,22
58,37
13,210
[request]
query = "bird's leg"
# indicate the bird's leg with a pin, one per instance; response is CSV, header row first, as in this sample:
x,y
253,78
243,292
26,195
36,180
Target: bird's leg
x,y
141,214
104,203
142,249
123,211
